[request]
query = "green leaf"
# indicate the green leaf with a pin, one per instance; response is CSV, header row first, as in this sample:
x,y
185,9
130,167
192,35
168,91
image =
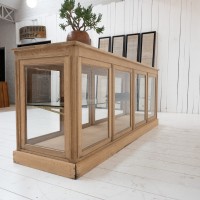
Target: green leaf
x,y
79,18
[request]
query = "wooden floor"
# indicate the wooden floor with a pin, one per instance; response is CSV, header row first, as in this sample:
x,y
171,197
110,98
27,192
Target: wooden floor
x,y
164,164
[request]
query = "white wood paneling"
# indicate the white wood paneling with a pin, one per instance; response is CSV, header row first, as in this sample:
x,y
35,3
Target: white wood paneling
x,y
135,16
177,48
183,68
193,97
176,53
128,6
120,18
51,26
146,15
163,33
173,55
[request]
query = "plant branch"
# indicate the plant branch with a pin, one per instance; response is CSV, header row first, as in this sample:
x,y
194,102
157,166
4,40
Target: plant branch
x,y
80,18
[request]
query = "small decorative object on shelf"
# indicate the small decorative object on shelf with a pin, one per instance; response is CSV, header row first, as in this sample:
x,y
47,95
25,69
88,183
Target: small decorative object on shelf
x,y
147,52
133,47
105,43
31,32
138,47
81,20
118,45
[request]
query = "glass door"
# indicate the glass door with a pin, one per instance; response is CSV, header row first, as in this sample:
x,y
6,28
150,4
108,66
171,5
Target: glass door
x,y
140,99
43,105
95,105
122,106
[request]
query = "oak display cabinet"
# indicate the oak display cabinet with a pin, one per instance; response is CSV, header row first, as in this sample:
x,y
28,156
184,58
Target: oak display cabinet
x,y
77,105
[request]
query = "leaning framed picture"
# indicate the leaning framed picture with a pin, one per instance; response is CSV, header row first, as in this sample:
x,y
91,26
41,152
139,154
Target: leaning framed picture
x,y
118,45
105,43
133,47
147,52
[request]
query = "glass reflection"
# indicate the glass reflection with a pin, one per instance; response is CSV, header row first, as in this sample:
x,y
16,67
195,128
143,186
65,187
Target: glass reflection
x,y
85,110
101,95
151,96
122,101
140,98
45,106
94,105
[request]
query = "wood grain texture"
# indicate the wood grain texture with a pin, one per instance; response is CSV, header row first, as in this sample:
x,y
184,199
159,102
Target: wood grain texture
x,y
59,155
1,96
45,164
90,162
4,98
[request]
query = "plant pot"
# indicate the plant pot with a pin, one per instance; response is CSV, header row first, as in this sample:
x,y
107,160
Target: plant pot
x,y
81,36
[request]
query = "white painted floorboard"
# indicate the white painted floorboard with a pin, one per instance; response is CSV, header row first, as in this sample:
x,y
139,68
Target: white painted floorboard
x,y
164,164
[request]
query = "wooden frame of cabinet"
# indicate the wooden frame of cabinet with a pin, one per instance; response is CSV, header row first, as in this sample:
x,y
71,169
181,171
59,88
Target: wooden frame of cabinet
x,y
156,95
74,160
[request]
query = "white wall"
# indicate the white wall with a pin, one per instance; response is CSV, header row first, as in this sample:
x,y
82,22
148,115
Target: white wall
x,y
177,26
8,40
46,13
178,30
44,7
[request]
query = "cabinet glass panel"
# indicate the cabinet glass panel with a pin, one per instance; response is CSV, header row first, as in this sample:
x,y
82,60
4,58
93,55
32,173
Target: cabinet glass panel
x,y
45,106
101,95
140,81
122,119
151,96
85,107
94,105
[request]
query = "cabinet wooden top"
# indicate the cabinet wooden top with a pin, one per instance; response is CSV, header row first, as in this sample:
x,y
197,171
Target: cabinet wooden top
x,y
52,45
75,48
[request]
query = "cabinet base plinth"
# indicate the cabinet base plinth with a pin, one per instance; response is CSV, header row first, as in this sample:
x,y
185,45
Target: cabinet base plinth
x,y
95,159
70,170
50,165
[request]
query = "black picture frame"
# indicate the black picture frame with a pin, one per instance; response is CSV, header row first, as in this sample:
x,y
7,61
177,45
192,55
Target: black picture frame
x,y
133,47
147,48
118,45
105,43
34,43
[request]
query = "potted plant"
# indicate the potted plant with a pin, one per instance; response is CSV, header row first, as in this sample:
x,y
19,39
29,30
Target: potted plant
x,y
81,20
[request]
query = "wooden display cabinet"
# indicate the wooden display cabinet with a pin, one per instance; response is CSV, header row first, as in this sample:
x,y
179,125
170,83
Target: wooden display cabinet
x,y
77,105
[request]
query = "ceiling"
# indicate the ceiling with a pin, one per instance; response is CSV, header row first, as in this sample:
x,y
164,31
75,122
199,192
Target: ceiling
x,y
16,3
11,3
